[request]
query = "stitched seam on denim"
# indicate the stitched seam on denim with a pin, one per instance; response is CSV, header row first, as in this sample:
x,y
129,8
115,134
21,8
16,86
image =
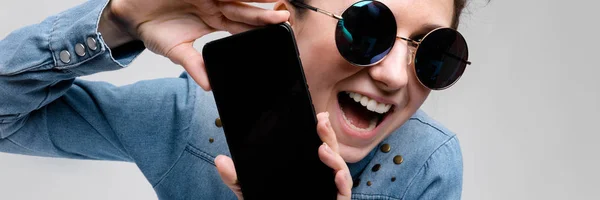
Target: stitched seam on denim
x,y
104,46
50,40
47,90
170,169
445,143
68,71
111,129
102,50
52,52
99,17
192,98
201,154
30,68
432,126
187,130
374,196
10,118
25,117
79,63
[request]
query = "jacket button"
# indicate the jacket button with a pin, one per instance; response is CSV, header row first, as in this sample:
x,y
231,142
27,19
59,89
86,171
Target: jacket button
x,y
211,140
385,148
393,179
369,183
80,49
218,122
376,167
398,159
92,44
65,56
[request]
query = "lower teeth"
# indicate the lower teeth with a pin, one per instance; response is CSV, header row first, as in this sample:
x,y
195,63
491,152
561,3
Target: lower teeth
x,y
372,123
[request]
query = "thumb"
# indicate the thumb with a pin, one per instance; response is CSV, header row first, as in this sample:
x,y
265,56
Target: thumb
x,y
192,61
226,170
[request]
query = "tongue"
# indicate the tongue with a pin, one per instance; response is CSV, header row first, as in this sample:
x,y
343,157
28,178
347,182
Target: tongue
x,y
357,114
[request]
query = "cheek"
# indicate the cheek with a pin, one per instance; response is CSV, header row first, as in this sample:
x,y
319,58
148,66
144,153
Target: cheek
x,y
317,52
321,71
323,65
417,93
316,55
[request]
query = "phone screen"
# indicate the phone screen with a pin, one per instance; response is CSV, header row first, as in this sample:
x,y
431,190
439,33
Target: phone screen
x,y
267,114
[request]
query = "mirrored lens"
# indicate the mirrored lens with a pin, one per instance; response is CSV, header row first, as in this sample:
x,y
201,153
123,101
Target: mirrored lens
x,y
441,58
366,33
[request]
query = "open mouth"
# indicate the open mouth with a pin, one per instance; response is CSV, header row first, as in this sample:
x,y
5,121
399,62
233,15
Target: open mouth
x,y
362,113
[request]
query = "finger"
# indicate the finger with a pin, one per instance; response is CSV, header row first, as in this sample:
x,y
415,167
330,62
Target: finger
x,y
236,27
332,159
251,1
343,182
252,15
187,56
326,132
227,172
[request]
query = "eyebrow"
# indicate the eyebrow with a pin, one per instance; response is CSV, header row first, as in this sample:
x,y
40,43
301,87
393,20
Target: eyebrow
x,y
424,29
429,26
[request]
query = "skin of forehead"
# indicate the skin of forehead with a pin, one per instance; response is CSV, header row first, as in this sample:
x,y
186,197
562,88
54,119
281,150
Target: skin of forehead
x,y
413,13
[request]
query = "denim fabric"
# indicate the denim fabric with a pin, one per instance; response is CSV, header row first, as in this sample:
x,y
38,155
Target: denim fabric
x,y
167,126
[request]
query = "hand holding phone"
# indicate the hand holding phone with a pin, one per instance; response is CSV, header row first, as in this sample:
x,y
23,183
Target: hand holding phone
x,y
267,114
329,154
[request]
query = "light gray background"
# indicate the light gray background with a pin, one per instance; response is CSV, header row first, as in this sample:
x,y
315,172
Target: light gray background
x,y
525,111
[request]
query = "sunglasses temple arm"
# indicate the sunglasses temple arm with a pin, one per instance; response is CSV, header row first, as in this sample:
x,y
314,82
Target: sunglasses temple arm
x,y
302,5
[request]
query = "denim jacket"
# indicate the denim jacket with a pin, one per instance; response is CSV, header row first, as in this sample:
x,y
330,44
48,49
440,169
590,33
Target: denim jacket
x,y
167,127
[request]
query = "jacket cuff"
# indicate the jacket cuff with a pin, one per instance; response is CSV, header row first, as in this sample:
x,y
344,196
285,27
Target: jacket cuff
x,y
78,47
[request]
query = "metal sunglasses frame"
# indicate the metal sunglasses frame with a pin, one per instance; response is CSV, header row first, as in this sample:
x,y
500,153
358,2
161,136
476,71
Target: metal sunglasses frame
x,y
411,42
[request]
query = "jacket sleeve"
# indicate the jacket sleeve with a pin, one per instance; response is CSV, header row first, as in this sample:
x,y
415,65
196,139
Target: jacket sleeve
x,y
38,63
441,175
46,111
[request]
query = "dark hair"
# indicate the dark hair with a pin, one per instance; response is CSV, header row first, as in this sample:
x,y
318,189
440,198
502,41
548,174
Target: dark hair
x,y
459,5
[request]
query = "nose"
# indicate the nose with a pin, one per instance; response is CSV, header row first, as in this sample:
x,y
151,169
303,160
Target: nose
x,y
391,73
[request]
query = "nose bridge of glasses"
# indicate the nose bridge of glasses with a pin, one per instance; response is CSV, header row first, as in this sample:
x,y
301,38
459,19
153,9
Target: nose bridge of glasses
x,y
410,42
411,46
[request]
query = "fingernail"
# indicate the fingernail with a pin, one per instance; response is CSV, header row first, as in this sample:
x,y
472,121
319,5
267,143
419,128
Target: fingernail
x,y
285,12
327,123
327,149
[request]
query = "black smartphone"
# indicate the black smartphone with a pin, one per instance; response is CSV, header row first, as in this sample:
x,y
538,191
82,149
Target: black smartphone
x,y
268,118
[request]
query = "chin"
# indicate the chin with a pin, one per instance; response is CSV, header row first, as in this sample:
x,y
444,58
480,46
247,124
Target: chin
x,y
353,154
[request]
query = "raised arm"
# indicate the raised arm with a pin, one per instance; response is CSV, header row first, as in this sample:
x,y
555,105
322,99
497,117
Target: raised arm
x,y
46,111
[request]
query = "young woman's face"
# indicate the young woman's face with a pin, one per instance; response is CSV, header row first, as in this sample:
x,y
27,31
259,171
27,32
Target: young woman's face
x,y
391,82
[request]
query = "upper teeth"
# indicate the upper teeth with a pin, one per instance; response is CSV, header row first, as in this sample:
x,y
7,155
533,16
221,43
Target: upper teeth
x,y
369,103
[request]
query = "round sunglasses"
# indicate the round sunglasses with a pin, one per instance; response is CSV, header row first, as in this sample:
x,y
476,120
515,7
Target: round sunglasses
x,y
366,32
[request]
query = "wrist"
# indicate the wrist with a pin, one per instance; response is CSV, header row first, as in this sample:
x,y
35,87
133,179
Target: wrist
x,y
113,30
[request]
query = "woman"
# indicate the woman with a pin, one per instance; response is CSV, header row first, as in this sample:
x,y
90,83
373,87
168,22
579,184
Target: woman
x,y
379,145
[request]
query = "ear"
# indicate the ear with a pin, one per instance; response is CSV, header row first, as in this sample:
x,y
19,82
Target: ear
x,y
285,5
